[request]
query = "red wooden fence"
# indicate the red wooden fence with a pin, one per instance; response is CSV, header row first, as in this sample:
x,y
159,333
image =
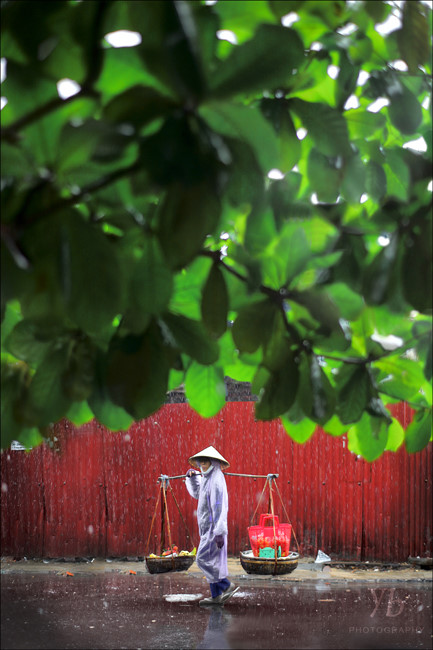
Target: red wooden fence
x,y
96,495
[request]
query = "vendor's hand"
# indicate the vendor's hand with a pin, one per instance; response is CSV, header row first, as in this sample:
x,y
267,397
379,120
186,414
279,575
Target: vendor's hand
x,y
219,541
190,472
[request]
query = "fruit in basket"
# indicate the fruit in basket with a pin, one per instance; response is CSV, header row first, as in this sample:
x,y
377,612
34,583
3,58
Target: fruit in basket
x,y
174,550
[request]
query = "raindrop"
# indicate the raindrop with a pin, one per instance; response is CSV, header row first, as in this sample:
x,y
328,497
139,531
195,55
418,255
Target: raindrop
x,y
90,529
4,487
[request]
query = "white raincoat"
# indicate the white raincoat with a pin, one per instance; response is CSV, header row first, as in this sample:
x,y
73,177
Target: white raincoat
x,y
211,491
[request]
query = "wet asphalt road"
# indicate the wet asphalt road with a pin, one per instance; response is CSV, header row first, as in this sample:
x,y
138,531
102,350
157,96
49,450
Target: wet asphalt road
x,y
107,611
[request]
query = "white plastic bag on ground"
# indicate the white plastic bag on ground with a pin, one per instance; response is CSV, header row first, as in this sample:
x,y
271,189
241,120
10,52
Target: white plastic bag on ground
x,y
322,557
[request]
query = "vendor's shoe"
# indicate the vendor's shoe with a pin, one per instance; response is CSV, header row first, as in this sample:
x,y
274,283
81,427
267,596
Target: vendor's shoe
x,y
211,601
228,593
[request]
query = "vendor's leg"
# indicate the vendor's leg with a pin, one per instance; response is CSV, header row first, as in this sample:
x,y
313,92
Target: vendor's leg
x,y
217,588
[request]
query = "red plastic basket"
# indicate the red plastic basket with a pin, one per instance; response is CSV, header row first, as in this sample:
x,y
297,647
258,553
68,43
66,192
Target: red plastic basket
x,y
262,536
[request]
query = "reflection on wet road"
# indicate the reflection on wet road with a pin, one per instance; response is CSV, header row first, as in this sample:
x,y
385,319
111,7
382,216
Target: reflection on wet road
x,y
156,612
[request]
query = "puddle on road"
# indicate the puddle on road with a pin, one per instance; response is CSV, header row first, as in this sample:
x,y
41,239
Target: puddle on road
x,y
181,598
155,612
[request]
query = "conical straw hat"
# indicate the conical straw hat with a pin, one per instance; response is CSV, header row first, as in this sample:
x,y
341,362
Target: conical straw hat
x,y
209,452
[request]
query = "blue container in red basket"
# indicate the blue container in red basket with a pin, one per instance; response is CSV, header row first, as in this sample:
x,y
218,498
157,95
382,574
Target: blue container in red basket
x,y
262,536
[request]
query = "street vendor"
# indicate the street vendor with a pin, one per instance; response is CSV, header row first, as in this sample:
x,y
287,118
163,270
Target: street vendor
x,y
209,487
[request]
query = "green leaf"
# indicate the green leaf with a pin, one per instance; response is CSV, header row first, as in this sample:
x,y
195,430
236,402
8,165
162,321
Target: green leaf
x,y
276,111
245,185
33,31
276,349
205,389
395,436
14,379
10,317
253,325
364,124
323,394
185,152
346,80
353,185
334,426
23,342
186,216
400,378
378,10
405,111
80,413
142,362
279,392
191,337
349,303
419,431
354,394
360,49
89,260
170,50
30,437
300,432
187,290
150,287
417,267
299,253
243,17
321,234
265,61
46,395
368,438
325,125
124,69
214,303
378,274
422,330
260,231
375,179
324,177
414,38
138,106
321,307
78,376
247,124
111,415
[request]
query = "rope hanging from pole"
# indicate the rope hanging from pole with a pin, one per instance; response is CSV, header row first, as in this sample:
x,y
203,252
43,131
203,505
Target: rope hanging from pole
x,y
183,520
153,521
271,499
258,503
285,513
164,493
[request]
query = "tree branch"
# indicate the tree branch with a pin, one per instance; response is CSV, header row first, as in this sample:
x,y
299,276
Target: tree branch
x,y
283,294
10,133
88,189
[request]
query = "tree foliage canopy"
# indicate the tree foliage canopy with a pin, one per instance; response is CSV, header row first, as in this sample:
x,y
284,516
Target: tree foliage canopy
x,y
148,240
